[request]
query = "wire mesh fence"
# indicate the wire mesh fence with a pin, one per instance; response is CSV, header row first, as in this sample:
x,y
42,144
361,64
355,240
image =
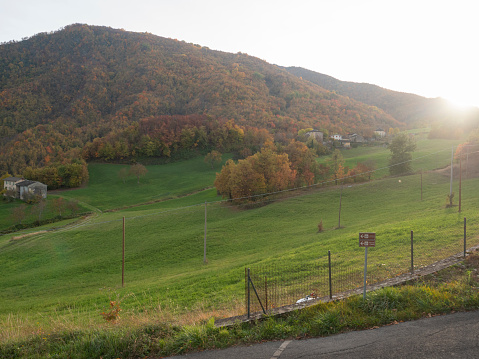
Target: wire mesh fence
x,y
285,283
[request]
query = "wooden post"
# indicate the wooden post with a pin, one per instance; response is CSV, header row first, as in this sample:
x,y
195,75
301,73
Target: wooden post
x,y
204,250
452,158
412,253
248,305
465,236
460,182
365,270
421,184
340,199
330,280
123,257
266,290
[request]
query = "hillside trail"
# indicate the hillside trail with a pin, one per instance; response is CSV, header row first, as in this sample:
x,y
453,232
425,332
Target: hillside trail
x,y
80,222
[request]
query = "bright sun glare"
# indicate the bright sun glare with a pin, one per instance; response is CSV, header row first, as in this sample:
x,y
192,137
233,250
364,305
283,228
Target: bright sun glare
x,y
462,103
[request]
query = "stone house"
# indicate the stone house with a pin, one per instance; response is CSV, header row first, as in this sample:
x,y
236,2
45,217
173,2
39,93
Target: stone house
x,y
23,189
316,134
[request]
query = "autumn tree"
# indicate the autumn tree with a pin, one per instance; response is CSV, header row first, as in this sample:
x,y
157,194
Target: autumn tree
x,y
336,165
302,134
213,158
303,161
246,181
276,168
264,172
362,171
138,170
224,180
401,147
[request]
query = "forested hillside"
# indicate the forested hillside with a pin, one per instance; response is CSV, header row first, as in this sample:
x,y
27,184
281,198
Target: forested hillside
x,y
411,109
88,92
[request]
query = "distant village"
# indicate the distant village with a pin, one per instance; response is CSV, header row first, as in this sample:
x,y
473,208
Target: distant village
x,y
346,140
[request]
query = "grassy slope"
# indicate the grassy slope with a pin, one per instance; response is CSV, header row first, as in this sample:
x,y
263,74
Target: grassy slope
x,y
75,272
430,154
6,212
106,191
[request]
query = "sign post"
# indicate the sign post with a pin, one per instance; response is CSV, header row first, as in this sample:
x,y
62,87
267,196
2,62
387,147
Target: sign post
x,y
366,240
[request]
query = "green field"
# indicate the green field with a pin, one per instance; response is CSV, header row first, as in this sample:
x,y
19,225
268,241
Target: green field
x,y
107,191
429,155
50,213
71,274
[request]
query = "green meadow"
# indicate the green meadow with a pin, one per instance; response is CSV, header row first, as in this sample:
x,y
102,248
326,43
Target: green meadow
x,y
107,191
71,274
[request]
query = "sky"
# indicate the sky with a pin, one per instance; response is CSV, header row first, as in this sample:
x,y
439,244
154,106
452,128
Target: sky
x,y
426,47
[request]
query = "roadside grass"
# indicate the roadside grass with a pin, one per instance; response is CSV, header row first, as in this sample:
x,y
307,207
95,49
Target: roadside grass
x,y
425,297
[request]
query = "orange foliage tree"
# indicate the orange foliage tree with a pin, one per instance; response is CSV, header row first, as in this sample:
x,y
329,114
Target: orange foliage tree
x,y
264,172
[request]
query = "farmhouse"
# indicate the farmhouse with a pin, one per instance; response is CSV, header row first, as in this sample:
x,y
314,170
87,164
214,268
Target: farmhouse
x,y
336,137
380,132
23,189
354,137
316,134
9,183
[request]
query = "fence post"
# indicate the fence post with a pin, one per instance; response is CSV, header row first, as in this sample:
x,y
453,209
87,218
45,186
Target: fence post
x,y
460,182
421,184
204,245
412,252
248,292
464,236
330,281
123,257
340,200
365,270
266,290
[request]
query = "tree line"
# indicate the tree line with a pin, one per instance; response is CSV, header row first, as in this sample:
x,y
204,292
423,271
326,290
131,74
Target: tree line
x,y
275,168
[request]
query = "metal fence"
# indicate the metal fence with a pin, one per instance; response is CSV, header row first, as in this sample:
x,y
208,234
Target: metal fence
x,y
284,283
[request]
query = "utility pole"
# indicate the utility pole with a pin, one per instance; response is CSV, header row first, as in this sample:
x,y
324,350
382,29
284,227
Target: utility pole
x,y
452,158
421,184
204,250
123,257
340,199
460,182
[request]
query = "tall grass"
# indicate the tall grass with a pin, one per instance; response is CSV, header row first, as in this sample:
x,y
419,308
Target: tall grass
x,y
160,337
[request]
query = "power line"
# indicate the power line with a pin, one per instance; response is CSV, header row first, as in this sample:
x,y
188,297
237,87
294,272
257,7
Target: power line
x,y
323,183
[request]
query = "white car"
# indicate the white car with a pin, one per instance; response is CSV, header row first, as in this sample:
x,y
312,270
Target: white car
x,y
306,299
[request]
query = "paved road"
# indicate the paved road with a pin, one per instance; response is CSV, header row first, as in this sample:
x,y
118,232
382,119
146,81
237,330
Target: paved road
x,y
449,336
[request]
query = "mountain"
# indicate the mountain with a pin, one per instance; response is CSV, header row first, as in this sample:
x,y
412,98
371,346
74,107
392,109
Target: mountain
x,y
94,92
414,110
